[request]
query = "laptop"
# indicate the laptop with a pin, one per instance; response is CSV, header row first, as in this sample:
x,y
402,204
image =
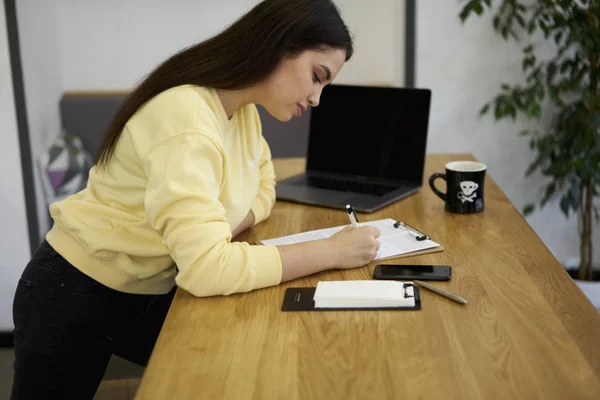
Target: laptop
x,y
366,147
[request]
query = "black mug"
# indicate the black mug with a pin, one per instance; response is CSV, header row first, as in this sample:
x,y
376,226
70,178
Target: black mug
x,y
464,182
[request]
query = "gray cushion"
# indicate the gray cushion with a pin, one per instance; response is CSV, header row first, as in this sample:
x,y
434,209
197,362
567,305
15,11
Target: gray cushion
x,y
88,115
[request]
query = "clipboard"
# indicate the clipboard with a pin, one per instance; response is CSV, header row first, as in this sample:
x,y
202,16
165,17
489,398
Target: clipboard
x,y
301,299
398,239
414,254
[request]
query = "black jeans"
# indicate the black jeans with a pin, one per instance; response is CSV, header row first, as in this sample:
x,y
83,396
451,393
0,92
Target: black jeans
x,y
67,325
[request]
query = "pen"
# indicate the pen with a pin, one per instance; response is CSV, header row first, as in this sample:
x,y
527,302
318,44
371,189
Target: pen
x,y
441,292
352,215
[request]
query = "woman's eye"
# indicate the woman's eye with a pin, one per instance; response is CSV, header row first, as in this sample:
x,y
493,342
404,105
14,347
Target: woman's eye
x,y
316,78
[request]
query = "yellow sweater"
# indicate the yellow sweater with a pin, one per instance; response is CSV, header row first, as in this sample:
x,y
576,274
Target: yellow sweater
x,y
183,176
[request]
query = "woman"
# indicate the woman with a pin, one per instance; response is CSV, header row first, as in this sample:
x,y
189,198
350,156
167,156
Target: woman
x,y
183,170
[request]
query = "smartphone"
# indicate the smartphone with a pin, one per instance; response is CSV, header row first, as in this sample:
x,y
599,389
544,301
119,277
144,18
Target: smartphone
x,y
413,272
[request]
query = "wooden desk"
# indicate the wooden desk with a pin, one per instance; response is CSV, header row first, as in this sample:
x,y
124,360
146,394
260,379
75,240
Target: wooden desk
x,y
528,332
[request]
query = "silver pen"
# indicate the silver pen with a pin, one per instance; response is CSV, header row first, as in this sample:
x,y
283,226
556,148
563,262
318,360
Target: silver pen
x,y
441,292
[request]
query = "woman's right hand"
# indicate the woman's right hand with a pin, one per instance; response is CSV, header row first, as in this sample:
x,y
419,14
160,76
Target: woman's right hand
x,y
354,247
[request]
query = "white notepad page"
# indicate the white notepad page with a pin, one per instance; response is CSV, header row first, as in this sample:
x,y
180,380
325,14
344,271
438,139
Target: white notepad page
x,y
393,241
365,293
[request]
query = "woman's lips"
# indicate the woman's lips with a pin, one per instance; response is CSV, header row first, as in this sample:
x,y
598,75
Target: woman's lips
x,y
299,109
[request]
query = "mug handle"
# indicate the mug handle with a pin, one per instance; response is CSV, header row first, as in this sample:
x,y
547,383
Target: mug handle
x,y
432,179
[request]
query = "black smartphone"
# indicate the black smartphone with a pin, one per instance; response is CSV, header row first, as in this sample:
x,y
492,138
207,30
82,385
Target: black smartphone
x,y
413,272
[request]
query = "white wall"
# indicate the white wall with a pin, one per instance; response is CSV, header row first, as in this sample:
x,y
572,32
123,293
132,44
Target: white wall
x,y
113,44
464,66
378,30
40,57
14,242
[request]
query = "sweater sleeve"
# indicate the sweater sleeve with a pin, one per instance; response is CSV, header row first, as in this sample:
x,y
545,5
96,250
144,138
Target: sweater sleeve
x,y
182,204
263,204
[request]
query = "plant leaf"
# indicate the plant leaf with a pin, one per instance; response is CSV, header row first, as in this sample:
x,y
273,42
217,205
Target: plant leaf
x,y
484,109
535,110
478,8
472,6
558,37
496,22
574,196
524,132
564,205
550,72
528,209
528,62
550,189
535,164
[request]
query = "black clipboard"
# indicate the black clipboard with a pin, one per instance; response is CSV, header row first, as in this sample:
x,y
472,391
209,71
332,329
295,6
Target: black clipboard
x,y
301,299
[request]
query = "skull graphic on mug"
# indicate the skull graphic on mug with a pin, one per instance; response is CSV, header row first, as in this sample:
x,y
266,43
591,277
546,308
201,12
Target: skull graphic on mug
x,y
465,183
467,192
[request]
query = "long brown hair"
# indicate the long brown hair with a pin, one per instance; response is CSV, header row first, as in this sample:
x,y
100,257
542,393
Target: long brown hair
x,y
242,55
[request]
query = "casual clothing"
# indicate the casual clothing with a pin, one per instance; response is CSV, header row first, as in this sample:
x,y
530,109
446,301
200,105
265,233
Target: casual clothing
x,y
183,176
67,325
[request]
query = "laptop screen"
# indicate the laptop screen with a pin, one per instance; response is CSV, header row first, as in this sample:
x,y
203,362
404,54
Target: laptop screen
x,y
378,132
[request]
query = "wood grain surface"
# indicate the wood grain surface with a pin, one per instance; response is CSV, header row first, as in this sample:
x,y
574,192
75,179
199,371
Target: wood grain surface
x,y
528,331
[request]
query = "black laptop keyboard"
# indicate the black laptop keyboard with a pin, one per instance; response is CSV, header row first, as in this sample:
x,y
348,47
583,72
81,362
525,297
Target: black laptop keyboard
x,y
349,186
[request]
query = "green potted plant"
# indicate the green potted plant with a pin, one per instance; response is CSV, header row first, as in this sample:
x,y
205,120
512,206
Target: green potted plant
x,y
566,82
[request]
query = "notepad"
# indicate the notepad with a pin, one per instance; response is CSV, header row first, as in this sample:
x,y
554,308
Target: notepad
x,y
364,294
394,241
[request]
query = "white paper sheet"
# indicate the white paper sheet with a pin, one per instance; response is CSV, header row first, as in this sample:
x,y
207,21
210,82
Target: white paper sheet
x,y
393,241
